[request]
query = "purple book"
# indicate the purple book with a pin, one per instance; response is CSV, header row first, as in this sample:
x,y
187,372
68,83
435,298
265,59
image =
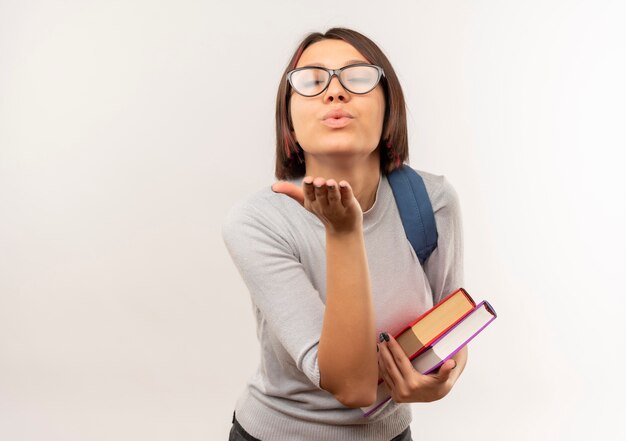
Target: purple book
x,y
442,349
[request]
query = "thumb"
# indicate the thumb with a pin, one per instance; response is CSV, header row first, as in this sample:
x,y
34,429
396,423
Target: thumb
x,y
446,369
287,188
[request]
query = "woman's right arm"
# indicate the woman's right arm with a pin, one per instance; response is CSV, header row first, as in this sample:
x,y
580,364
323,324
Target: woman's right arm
x,y
347,349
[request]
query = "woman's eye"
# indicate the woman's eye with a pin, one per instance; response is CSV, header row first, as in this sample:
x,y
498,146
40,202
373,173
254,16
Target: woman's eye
x,y
359,80
313,83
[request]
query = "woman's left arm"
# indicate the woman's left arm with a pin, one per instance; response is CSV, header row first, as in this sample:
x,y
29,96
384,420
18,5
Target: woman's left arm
x,y
444,271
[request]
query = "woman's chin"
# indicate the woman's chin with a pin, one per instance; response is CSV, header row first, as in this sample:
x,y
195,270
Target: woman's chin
x,y
341,149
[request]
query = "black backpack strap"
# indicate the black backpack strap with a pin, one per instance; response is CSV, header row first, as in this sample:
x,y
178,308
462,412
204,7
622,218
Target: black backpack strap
x,y
415,209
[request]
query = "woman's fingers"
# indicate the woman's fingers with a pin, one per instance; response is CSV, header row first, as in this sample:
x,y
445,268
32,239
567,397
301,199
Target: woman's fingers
x,y
307,188
287,188
311,190
346,193
333,191
321,194
389,364
444,371
333,203
382,370
401,360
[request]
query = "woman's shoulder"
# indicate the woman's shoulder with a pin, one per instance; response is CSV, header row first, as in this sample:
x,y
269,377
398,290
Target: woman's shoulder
x,y
262,209
440,191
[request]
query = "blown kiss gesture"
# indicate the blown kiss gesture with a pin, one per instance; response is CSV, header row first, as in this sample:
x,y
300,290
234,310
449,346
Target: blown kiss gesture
x,y
334,204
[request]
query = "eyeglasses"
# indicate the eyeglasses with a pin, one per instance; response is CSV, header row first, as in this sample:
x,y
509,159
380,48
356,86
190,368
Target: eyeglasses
x,y
355,78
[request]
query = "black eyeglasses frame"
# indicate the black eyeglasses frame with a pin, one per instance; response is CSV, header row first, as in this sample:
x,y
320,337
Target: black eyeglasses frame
x,y
336,72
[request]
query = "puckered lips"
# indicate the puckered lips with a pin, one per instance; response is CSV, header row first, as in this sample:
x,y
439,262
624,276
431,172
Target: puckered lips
x,y
337,119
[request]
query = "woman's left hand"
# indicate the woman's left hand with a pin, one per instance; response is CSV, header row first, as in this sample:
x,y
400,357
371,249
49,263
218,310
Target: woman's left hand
x,y
406,384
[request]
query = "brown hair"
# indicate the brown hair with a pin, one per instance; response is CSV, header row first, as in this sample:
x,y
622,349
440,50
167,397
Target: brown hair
x,y
393,145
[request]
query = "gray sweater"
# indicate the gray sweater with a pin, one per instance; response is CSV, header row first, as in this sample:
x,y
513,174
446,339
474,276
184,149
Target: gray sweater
x,y
279,250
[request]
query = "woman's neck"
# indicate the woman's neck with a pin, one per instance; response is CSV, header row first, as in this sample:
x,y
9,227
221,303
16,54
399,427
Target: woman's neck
x,y
363,177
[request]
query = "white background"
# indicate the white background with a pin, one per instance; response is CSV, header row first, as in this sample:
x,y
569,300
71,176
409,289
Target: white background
x,y
129,128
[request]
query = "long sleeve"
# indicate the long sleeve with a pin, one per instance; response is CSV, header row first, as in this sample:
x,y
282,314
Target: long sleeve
x,y
258,243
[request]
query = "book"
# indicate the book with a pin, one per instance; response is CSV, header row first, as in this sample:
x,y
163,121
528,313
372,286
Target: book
x,y
416,337
455,339
443,348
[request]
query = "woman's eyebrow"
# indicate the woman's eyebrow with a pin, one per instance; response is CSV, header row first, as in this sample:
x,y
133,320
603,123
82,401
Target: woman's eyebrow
x,y
314,64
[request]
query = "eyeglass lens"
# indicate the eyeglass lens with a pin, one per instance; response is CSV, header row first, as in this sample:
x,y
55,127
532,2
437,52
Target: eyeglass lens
x,y
356,79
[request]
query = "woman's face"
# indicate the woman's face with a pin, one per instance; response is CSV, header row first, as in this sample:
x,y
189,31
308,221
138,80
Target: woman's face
x,y
317,137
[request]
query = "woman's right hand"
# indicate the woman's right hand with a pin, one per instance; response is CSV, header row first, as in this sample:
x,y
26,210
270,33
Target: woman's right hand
x,y
335,205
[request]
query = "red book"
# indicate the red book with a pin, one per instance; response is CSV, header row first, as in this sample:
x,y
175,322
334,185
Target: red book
x,y
435,322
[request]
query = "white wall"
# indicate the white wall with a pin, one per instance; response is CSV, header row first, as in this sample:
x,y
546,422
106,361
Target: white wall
x,y
128,129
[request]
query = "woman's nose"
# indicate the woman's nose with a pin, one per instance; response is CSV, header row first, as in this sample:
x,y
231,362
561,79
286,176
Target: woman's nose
x,y
335,91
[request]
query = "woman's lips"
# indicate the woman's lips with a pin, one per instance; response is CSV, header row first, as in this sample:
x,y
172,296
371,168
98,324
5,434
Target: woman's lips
x,y
337,118
337,123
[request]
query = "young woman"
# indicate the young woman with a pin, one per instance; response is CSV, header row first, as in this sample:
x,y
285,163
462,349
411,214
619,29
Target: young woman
x,y
325,257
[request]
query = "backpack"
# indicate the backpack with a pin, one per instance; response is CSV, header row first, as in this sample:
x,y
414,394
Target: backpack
x,y
415,210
